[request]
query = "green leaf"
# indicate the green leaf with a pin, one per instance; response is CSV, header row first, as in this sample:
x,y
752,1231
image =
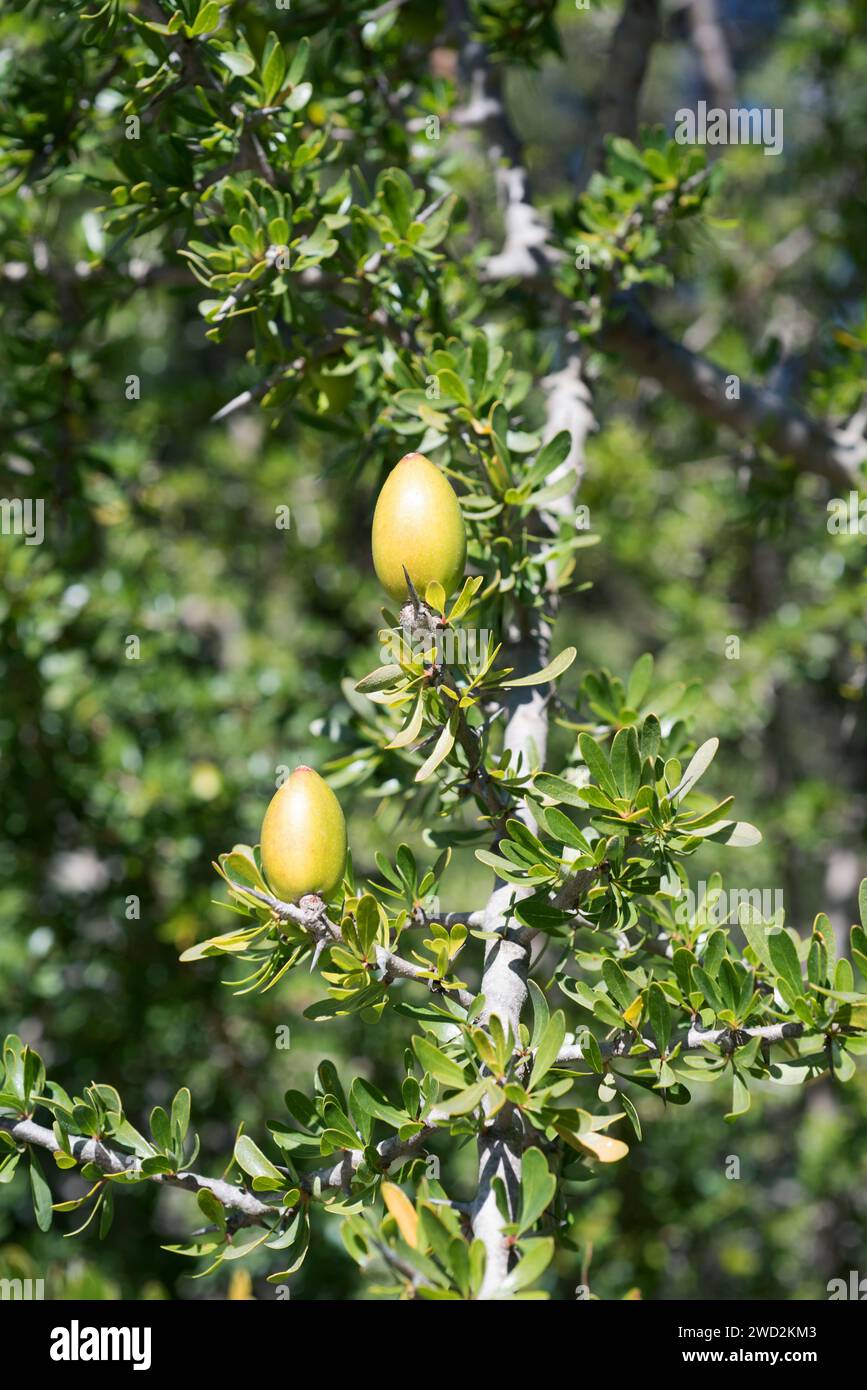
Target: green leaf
x,y
785,959
740,834
563,829
541,1013
239,64
34,1074
504,867
367,922
466,1100
211,1207
714,950
706,985
558,789
161,1128
41,1193
13,1061
251,1159
659,1015
538,1186
639,681
181,1113
380,679
756,933
844,978
339,1129
411,729
631,1113
548,673
106,1215
698,765
597,762
590,1048
534,1262
463,602
299,61
651,737
617,984
683,960
740,1095
443,746
273,69
452,386
207,20
364,1097
299,97
396,191
435,596
859,949
549,1045
794,1000
158,1163
8,1164
626,762
555,452
441,1067
459,1264
539,914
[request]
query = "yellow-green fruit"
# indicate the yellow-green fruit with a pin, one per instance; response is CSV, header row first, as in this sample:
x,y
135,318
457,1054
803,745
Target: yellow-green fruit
x,y
418,523
303,837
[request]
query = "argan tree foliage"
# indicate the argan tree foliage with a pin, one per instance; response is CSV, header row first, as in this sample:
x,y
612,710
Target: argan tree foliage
x,y
312,174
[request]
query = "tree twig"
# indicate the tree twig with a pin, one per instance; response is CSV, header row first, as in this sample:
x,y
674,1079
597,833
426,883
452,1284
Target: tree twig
x,y
312,916
754,412
697,1039
634,37
249,1210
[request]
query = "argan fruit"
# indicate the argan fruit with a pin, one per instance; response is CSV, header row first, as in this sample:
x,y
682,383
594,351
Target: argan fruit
x,y
418,524
303,837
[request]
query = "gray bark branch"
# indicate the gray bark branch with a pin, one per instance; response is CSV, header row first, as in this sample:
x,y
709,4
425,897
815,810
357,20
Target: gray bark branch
x,y
696,1040
250,1211
710,44
634,37
756,413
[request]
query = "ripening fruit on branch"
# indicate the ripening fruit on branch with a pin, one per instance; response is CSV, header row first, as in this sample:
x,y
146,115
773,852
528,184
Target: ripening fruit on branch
x,y
303,837
418,523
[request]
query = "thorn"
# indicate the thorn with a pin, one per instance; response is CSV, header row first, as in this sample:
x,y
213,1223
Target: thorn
x,y
416,601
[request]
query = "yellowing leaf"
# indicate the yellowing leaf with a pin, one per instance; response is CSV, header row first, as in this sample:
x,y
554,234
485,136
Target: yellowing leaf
x,y
604,1148
633,1013
403,1211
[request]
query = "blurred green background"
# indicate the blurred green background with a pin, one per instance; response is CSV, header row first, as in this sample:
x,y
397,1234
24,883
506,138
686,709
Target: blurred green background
x,y
123,777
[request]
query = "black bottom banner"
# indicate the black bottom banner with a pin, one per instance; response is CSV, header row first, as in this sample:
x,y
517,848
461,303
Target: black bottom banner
x,y
164,1338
